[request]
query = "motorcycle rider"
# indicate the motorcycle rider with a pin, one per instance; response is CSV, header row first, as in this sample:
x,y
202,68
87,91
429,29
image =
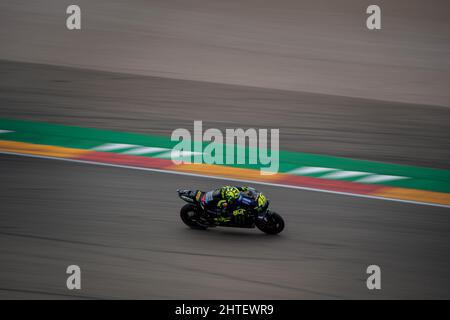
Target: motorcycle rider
x,y
224,201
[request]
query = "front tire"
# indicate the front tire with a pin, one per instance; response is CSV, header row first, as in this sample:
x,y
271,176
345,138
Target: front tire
x,y
189,215
273,225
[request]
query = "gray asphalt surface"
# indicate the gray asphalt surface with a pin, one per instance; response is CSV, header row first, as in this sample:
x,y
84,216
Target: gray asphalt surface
x,y
122,228
371,95
343,126
320,46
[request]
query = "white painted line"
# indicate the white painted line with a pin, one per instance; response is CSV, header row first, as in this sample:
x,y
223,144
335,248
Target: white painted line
x,y
5,131
310,170
379,178
177,154
144,150
341,174
114,146
229,179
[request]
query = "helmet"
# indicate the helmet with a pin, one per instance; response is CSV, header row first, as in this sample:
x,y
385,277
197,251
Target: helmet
x,y
230,193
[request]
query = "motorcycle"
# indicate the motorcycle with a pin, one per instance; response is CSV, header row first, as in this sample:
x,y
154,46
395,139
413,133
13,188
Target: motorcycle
x,y
197,215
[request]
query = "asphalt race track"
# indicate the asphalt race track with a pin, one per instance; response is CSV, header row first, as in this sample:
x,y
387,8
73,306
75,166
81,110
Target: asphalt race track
x,y
310,69
122,228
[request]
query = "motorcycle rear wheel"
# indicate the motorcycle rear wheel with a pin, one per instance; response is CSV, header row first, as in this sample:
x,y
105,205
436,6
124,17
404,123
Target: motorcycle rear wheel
x,y
188,215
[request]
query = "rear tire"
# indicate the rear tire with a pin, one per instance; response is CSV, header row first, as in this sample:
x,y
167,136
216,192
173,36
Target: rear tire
x,y
273,225
188,214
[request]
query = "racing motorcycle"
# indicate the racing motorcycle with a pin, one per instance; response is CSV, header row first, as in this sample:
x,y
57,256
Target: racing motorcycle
x,y
197,215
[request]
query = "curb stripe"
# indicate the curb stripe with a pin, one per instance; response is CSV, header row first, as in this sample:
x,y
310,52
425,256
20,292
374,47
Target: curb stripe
x,y
420,178
39,149
114,146
144,150
413,194
377,178
116,158
230,172
366,196
226,172
317,183
310,170
344,174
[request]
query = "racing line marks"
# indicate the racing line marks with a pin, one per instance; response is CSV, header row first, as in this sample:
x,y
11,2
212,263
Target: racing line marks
x,y
337,174
377,178
328,173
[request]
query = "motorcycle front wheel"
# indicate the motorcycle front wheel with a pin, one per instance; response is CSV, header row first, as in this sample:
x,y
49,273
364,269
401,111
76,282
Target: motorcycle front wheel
x,y
273,224
189,215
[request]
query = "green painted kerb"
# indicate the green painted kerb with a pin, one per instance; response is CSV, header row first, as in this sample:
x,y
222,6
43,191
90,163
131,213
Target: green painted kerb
x,y
88,138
